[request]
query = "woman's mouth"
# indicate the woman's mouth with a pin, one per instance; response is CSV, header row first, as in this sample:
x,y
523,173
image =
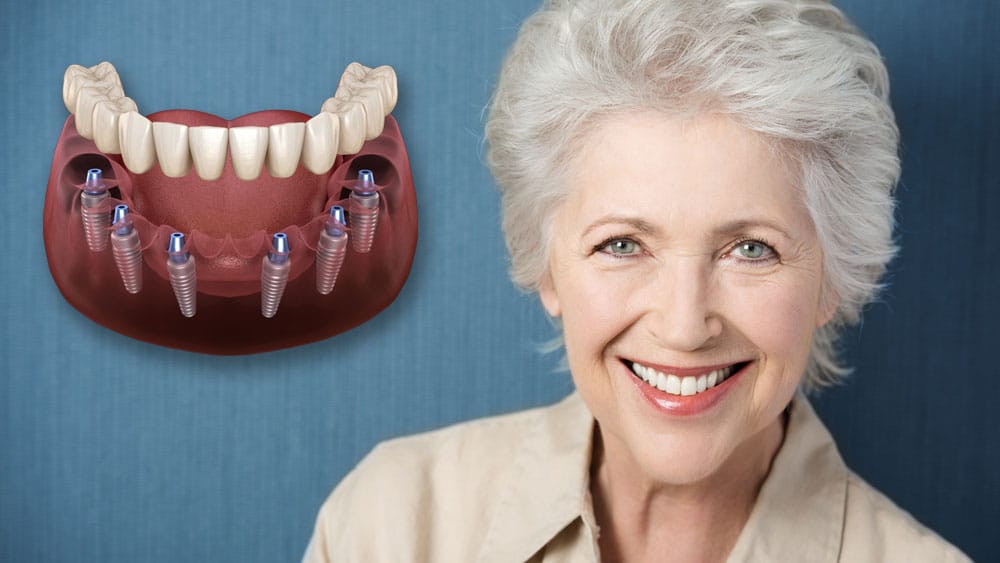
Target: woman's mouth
x,y
682,382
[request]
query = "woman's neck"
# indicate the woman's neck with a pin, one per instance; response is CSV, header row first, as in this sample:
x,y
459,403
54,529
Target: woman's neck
x,y
642,520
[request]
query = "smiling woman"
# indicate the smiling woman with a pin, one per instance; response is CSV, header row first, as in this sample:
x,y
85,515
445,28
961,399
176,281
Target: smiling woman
x,y
701,194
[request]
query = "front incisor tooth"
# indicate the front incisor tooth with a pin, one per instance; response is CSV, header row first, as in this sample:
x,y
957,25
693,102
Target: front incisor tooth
x,y
107,113
673,384
247,148
352,123
689,386
319,147
284,148
172,148
208,150
135,135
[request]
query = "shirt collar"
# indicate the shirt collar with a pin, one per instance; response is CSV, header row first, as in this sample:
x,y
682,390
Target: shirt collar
x,y
548,481
798,515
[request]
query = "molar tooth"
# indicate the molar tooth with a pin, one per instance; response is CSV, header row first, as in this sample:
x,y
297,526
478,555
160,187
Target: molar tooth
x,y
135,135
689,386
172,148
371,99
247,148
87,98
284,148
319,146
353,75
386,79
70,89
352,123
702,383
107,113
106,72
208,150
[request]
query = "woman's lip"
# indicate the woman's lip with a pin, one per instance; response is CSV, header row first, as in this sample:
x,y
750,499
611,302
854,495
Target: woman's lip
x,y
690,405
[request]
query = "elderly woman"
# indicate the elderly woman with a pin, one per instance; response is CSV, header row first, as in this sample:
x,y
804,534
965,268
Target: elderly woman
x,y
701,194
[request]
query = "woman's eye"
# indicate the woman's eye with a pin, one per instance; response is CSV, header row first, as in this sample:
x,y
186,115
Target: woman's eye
x,y
621,247
753,250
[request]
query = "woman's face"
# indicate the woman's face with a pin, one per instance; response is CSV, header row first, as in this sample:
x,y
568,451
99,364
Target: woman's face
x,y
683,255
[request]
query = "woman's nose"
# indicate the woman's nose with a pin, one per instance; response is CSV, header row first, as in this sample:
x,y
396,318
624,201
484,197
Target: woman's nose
x,y
681,310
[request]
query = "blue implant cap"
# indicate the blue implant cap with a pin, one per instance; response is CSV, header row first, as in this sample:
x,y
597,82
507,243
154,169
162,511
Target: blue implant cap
x,y
95,182
175,249
279,248
121,221
366,182
337,223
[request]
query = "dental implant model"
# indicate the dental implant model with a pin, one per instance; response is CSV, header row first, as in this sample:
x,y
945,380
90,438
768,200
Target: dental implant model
x,y
331,250
274,275
93,207
183,278
364,211
126,249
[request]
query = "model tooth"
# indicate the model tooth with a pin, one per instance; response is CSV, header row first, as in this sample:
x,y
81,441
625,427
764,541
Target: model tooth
x,y
107,113
354,74
86,100
386,78
371,99
172,148
106,72
352,123
135,135
247,148
72,74
284,147
319,145
208,150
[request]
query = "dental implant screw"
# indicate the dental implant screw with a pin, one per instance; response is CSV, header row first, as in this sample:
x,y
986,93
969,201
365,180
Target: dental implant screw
x,y
331,250
96,215
126,249
274,275
183,278
364,211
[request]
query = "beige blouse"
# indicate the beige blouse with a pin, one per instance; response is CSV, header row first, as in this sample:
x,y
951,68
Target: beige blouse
x,y
515,488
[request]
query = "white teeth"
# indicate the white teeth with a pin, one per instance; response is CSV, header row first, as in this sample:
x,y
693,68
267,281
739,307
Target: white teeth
x,y
685,386
136,136
284,148
86,99
371,99
106,72
172,148
673,384
208,150
247,148
385,76
102,76
353,75
72,74
319,147
352,123
689,386
106,116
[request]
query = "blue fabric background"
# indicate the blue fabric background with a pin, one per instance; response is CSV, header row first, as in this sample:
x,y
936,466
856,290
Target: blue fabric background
x,y
113,450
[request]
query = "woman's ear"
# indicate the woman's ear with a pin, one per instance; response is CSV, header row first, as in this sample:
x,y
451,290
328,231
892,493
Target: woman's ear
x,y
549,297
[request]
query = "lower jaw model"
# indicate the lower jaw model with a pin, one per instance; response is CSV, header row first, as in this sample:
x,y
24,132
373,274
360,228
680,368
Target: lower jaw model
x,y
268,231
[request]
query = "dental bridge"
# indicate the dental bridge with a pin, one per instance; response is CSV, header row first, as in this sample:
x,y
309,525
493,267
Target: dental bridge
x,y
151,231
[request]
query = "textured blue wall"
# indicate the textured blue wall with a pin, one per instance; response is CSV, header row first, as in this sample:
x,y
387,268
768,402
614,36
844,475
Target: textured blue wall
x,y
114,450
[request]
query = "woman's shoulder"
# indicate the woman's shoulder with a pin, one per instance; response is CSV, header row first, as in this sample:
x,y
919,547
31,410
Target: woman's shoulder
x,y
428,496
875,525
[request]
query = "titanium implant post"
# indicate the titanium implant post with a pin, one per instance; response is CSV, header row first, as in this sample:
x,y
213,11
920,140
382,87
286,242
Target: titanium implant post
x,y
331,250
127,250
364,211
96,216
183,278
274,275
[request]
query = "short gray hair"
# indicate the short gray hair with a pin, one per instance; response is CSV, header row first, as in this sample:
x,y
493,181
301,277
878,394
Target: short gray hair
x,y
796,72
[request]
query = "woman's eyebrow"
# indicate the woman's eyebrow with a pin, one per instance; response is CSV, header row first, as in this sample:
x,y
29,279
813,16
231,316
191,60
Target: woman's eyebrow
x,y
742,225
634,222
